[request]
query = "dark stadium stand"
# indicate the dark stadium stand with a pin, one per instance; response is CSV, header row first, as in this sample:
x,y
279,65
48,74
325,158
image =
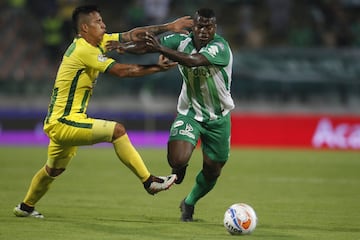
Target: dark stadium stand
x,y
269,71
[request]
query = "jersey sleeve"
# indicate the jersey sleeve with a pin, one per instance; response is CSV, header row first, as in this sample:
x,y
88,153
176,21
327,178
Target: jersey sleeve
x,y
217,52
95,59
172,41
109,37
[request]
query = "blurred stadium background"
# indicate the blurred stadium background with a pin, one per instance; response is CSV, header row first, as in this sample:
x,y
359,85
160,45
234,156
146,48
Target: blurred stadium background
x,y
296,75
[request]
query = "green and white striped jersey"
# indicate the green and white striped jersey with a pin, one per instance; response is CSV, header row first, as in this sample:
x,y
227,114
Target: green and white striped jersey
x,y
205,93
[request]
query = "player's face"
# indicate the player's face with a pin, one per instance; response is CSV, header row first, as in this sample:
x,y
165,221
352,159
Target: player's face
x,y
96,27
204,30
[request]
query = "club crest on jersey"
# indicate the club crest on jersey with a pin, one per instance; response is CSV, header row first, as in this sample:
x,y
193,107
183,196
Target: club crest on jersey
x,y
213,50
102,58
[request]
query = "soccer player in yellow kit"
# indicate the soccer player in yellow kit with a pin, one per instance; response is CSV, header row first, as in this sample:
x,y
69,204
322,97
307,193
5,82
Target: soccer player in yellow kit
x,y
67,124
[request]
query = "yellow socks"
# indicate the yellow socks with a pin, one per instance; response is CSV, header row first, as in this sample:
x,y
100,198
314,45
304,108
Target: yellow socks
x,y
126,152
130,157
40,184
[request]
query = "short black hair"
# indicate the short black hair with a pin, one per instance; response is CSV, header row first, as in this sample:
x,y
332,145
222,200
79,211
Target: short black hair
x,y
206,12
84,9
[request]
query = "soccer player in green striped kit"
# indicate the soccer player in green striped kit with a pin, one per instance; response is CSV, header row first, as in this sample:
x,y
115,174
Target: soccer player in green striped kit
x,y
203,111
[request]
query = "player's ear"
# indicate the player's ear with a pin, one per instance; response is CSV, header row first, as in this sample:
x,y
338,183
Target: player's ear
x,y
84,28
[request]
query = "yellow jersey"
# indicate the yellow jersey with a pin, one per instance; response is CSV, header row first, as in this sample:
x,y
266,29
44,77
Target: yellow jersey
x,y
76,78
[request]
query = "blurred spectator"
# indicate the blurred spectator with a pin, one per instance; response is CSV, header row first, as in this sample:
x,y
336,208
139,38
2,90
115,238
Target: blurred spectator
x,y
279,12
17,4
156,11
135,14
53,36
341,26
301,28
355,30
245,20
26,24
65,9
250,28
21,44
40,8
335,23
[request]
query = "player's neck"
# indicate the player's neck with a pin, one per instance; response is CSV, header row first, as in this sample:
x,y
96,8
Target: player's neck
x,y
88,39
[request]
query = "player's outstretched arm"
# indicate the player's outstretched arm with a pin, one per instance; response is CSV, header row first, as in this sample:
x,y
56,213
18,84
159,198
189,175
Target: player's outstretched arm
x,y
179,25
135,70
133,47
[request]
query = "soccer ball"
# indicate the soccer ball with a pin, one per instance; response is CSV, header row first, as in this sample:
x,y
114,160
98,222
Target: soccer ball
x,y
240,218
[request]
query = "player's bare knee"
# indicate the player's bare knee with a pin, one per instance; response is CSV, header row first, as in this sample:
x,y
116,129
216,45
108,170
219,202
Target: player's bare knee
x,y
179,153
54,172
177,160
119,131
173,164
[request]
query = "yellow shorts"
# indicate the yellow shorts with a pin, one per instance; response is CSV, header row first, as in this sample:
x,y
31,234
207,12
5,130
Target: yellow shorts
x,y
70,132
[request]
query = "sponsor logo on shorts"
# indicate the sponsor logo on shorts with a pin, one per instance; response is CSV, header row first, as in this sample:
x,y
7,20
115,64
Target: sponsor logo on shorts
x,y
173,132
188,131
178,123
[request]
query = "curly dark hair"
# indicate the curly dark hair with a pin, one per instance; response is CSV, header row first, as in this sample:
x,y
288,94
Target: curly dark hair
x,y
206,12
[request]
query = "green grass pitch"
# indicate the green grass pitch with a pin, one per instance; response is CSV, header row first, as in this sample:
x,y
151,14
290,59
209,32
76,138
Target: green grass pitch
x,y
297,194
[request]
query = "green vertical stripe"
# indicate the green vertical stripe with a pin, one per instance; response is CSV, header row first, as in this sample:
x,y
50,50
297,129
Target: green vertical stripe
x,y
186,72
197,82
52,103
189,89
71,95
83,102
226,78
214,95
